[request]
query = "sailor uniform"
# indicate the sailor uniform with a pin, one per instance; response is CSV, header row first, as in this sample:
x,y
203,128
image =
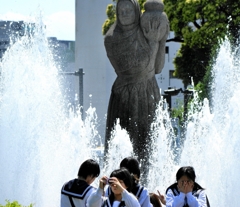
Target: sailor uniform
x,y
141,194
196,198
75,193
97,200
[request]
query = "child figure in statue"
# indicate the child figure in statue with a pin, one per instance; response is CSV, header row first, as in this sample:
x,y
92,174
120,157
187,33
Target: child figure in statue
x,y
136,57
155,18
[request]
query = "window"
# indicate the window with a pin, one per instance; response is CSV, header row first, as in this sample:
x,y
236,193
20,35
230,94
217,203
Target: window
x,y
171,74
167,50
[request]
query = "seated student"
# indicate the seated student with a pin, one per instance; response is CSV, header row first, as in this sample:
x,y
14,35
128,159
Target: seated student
x,y
186,192
75,192
132,165
120,183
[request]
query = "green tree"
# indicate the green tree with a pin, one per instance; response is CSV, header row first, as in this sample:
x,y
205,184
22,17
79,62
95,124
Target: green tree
x,y
203,22
14,204
185,63
178,112
201,26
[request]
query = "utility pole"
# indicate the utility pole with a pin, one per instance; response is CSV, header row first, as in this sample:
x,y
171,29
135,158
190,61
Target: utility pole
x,y
80,74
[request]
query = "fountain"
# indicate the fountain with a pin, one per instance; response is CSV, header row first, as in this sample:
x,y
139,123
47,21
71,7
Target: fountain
x,y
212,137
42,144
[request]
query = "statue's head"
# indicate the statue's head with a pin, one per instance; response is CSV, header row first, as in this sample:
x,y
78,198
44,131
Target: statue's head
x,y
155,16
128,13
154,5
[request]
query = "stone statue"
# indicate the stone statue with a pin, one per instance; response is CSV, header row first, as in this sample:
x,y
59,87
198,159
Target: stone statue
x,y
135,46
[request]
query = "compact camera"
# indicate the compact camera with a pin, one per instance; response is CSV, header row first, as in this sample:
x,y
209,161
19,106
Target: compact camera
x,y
109,182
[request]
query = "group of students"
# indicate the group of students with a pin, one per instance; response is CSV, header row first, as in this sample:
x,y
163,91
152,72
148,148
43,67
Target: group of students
x,y
122,188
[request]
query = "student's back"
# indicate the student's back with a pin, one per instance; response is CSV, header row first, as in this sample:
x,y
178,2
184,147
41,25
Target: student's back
x,y
75,192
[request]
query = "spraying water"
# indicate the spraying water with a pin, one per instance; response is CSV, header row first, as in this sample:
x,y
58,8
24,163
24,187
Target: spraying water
x,y
212,142
42,145
120,147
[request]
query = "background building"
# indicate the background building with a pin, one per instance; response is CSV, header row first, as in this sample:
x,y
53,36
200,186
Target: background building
x,y
91,56
64,56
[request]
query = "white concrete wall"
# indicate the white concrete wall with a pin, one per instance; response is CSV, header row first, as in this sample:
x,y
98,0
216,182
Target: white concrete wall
x,y
163,79
91,56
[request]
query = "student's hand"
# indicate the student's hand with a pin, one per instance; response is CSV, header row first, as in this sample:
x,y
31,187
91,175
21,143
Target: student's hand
x,y
114,182
161,198
103,182
189,186
181,186
186,186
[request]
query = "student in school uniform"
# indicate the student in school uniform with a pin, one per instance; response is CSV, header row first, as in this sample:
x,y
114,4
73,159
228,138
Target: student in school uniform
x,y
75,192
186,192
120,183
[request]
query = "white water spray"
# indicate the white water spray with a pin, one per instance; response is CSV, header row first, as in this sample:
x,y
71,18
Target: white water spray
x,y
212,141
42,146
120,147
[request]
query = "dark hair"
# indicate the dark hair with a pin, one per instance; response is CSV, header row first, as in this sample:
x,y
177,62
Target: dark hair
x,y
154,200
89,167
190,173
187,171
124,175
132,165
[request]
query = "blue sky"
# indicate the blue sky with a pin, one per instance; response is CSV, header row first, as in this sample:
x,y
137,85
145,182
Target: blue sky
x,y
58,15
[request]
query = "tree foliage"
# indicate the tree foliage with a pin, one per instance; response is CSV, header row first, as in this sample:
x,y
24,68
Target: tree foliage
x,y
201,22
14,204
201,26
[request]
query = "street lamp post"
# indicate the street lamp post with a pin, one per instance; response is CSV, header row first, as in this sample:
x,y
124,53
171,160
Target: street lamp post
x,y
187,94
80,74
173,92
169,93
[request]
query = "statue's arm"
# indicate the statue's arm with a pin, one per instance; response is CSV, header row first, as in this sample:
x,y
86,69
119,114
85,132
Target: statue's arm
x,y
160,57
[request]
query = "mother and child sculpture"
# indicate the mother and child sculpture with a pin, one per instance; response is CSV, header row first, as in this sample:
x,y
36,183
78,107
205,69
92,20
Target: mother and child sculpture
x,y
135,46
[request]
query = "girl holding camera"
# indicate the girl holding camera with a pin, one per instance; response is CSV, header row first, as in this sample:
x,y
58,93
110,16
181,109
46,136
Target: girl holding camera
x,y
120,183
